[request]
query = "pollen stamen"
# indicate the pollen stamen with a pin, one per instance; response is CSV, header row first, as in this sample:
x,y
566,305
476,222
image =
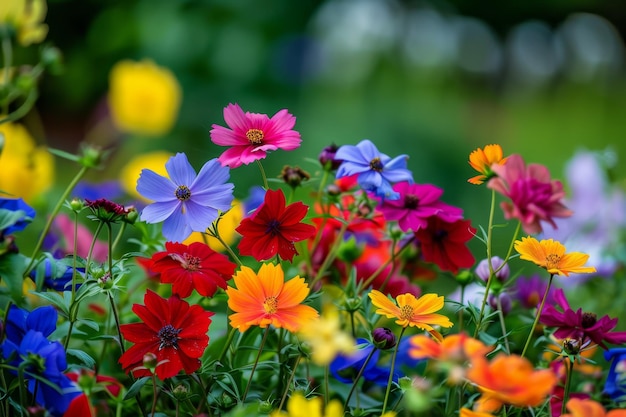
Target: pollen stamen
x,y
183,193
406,312
255,136
552,261
270,305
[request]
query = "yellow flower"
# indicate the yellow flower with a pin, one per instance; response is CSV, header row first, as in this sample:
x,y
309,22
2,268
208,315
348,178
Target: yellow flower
x,y
326,338
26,17
27,169
550,255
482,159
299,406
144,98
411,311
130,172
225,227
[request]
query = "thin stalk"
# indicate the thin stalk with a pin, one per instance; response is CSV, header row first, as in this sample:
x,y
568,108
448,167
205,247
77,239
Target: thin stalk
x,y
358,377
332,253
503,325
55,211
391,259
568,384
256,362
229,339
291,376
154,395
532,329
393,364
260,165
492,210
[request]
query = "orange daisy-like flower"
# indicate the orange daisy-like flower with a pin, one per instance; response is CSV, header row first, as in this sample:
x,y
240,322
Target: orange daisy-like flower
x,y
265,298
550,255
509,380
411,311
482,159
588,408
455,348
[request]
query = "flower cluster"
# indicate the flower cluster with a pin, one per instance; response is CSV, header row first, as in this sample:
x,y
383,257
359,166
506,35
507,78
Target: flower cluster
x,y
354,290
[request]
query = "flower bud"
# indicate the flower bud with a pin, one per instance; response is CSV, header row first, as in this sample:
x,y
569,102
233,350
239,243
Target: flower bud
x,y
464,277
77,205
150,361
482,270
383,338
180,392
571,346
265,407
352,304
503,299
349,251
52,59
327,158
293,176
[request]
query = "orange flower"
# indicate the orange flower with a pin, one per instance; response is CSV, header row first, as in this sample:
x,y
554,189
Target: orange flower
x,y
550,255
589,408
265,298
509,380
466,412
454,348
411,311
482,159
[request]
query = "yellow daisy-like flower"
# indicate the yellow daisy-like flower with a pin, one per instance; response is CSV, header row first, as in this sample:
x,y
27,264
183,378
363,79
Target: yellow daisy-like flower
x,y
411,311
482,159
326,338
226,228
266,298
27,168
299,406
550,255
26,17
144,98
129,173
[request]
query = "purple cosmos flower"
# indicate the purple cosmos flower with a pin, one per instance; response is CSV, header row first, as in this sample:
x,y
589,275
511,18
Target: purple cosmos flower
x,y
482,269
15,214
416,203
578,325
529,291
184,202
615,385
376,171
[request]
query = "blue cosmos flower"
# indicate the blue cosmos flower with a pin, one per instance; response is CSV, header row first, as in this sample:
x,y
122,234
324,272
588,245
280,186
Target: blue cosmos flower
x,y
56,274
184,202
42,359
15,214
376,171
19,322
615,385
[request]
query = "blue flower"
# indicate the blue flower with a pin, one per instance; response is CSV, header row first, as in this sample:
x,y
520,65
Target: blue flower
x,y
15,215
42,359
19,322
56,274
376,171
615,385
184,202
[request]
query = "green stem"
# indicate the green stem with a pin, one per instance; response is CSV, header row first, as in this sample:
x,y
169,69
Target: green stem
x,y
260,165
216,234
7,54
384,265
492,210
229,339
568,384
332,253
117,321
118,237
358,377
532,329
503,325
291,376
393,364
55,211
256,362
154,394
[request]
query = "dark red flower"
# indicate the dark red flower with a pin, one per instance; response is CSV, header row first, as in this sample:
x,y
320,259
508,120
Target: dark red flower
x,y
444,244
172,330
579,325
194,266
273,228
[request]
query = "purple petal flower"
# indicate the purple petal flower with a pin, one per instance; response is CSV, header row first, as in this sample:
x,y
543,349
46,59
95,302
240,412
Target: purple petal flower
x,y
376,171
185,202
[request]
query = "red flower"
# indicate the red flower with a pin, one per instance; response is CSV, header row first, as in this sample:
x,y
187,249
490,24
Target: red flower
x,y
172,330
443,244
194,266
578,325
273,228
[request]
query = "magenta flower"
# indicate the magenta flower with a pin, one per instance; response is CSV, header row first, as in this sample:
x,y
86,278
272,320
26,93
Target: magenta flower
x,y
578,325
534,196
418,202
529,291
252,135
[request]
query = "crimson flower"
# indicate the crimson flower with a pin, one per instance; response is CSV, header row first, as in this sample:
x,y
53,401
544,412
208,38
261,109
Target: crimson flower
x,y
535,197
172,330
194,266
444,244
273,228
580,325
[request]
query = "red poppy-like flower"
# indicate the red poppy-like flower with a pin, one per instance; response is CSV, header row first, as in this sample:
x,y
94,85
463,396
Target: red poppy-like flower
x,y
172,330
535,197
194,266
577,324
273,228
444,244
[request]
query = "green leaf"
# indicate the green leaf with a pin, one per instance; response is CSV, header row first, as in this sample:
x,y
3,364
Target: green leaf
x,y
87,360
63,154
10,217
134,389
56,300
12,266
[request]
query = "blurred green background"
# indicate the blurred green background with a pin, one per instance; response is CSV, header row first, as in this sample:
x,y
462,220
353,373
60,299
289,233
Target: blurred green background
x,y
431,79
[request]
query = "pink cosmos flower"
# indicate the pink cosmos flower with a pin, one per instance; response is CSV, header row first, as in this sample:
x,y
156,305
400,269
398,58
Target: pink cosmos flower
x,y
534,196
252,135
416,204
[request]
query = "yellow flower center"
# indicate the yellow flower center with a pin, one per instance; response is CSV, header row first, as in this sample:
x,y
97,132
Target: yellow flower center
x,y
552,261
255,136
270,305
406,312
